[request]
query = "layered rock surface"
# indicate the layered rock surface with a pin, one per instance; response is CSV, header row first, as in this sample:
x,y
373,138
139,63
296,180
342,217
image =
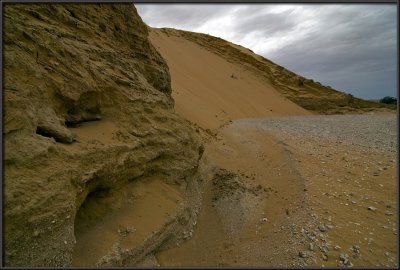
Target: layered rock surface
x,y
87,114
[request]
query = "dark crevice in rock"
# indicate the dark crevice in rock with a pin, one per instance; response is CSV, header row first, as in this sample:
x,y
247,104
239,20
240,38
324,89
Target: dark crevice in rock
x,y
92,208
53,133
77,123
77,115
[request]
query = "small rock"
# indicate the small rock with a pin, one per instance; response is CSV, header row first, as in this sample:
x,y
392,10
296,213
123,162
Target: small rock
x,y
36,233
356,249
387,254
324,257
389,213
376,173
303,254
336,247
324,248
322,228
371,208
311,247
264,219
344,258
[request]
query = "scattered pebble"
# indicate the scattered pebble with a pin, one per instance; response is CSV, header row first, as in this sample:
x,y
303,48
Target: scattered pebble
x,y
303,254
371,208
324,248
344,258
264,219
322,228
126,231
356,249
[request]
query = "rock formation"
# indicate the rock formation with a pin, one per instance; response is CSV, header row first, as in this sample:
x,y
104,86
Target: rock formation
x,y
87,111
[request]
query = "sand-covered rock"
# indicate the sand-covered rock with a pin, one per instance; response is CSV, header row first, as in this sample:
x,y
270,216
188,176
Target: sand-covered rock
x,y
87,111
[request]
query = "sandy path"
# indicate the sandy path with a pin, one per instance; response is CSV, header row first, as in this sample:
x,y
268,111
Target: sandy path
x,y
247,214
318,191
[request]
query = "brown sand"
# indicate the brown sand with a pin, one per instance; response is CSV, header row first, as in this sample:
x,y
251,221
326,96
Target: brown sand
x,y
210,91
290,170
305,183
230,229
265,194
126,217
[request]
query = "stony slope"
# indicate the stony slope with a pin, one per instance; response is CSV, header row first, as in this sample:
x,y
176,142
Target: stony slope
x,y
304,92
88,113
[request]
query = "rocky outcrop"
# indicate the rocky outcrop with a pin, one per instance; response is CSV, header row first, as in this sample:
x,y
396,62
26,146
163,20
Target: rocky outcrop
x,y
87,108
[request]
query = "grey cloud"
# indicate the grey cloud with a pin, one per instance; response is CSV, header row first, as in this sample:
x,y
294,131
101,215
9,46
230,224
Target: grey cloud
x,y
182,16
351,47
358,50
263,21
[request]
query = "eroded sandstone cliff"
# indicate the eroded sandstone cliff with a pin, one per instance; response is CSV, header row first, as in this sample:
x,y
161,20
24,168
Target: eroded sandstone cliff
x,y
87,114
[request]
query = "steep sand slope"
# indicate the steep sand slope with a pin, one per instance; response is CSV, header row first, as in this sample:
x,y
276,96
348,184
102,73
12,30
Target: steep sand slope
x,y
248,80
209,91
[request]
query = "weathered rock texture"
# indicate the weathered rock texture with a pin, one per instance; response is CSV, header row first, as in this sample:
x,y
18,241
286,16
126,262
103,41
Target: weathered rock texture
x,y
66,65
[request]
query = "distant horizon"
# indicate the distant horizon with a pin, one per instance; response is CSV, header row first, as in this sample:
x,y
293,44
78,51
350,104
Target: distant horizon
x,y
361,41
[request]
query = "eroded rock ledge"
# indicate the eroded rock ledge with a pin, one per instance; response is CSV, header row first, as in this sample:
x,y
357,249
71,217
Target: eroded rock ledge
x,y
87,109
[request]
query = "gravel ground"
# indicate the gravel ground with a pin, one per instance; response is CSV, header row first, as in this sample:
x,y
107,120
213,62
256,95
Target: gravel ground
x,y
372,131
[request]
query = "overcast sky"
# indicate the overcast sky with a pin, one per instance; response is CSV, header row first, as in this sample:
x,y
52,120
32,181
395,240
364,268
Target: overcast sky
x,y
351,47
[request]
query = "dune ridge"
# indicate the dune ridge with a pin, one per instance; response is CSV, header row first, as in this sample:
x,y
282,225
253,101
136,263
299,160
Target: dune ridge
x,y
266,85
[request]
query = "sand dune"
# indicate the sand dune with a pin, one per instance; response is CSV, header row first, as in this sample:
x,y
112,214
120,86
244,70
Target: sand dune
x,y
210,91
141,186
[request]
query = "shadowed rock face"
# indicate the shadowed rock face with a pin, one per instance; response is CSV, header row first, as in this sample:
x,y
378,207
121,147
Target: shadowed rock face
x,y
66,65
